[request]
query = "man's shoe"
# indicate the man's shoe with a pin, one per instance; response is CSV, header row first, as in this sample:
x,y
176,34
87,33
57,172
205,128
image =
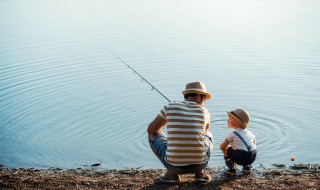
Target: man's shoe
x,y
246,169
170,177
230,171
202,177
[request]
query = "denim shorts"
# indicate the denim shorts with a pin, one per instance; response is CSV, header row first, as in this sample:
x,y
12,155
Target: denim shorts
x,y
159,143
242,157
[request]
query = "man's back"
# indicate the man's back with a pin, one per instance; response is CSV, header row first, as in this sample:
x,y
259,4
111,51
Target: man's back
x,y
186,123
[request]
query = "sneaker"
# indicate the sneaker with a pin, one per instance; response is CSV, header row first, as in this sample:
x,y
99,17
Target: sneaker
x,y
170,177
230,171
202,177
246,169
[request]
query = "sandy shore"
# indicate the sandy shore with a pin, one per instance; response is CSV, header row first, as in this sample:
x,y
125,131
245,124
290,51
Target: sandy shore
x,y
300,177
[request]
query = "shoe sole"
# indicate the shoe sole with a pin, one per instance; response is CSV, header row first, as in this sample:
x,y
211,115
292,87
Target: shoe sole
x,y
169,181
230,173
201,181
246,171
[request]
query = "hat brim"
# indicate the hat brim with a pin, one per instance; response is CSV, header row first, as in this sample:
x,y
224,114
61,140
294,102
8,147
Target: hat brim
x,y
242,125
208,96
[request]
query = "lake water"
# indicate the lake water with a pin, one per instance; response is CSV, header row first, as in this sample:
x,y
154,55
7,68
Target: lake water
x,y
66,101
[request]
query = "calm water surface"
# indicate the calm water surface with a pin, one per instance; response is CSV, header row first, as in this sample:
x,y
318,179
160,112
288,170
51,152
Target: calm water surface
x,y
65,101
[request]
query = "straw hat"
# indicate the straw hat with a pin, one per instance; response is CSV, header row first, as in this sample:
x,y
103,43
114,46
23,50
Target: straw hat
x,y
240,115
198,88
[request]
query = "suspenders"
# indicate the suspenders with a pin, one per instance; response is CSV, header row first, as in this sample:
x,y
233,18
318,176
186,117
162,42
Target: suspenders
x,y
244,142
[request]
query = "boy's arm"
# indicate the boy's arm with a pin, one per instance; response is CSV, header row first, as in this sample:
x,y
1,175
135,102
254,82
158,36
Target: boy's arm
x,y
224,144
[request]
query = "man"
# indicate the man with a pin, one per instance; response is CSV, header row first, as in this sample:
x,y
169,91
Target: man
x,y
189,143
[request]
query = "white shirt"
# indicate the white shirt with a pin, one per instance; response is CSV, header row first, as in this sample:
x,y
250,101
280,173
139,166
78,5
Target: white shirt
x,y
236,142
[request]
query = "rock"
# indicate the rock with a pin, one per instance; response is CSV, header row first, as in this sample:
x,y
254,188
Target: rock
x,y
279,165
301,166
97,164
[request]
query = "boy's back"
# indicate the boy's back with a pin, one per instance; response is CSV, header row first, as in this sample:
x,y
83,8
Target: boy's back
x,y
236,142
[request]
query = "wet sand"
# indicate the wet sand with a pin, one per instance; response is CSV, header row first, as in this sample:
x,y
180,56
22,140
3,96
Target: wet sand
x,y
300,177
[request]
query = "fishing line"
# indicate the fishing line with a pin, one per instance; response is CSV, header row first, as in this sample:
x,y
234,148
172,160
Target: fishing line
x,y
142,78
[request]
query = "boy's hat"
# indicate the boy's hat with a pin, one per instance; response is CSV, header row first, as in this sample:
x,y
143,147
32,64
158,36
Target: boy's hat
x,y
240,115
198,88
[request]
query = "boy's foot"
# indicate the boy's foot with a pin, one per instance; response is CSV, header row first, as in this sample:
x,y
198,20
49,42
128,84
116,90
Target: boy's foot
x,y
170,177
230,171
246,169
202,177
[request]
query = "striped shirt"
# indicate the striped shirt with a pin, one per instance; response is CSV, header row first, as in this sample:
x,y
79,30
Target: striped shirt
x,y
186,123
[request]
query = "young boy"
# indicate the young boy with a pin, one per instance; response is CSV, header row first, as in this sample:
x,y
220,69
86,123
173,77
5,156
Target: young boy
x,y
243,143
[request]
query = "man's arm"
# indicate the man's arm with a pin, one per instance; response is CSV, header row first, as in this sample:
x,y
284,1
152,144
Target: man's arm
x,y
207,128
155,127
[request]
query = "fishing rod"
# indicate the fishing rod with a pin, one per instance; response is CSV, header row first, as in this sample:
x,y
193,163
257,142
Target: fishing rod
x,y
143,79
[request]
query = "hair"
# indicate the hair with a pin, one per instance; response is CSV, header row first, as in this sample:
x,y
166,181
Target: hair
x,y
186,96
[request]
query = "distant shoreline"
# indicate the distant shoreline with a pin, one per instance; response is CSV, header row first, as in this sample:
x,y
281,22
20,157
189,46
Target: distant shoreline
x,y
305,177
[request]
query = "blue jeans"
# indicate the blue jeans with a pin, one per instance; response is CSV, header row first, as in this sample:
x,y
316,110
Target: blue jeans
x,y
159,144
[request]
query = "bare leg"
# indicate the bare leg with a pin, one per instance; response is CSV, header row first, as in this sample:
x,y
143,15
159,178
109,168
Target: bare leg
x,y
228,161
